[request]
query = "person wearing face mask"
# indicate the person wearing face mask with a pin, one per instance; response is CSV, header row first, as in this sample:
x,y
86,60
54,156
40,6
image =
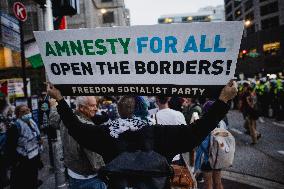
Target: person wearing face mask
x,y
23,149
3,168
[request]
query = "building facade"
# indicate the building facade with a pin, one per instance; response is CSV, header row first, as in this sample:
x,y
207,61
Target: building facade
x,y
262,47
10,58
92,13
206,14
100,13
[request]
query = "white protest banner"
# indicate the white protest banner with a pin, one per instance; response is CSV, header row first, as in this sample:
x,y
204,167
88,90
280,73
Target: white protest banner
x,y
194,59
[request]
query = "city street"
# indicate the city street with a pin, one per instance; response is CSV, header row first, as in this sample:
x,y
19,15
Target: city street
x,y
263,163
119,70
258,166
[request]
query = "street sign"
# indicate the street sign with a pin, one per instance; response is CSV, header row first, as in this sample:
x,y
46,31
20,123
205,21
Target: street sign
x,y
9,38
20,11
21,14
9,32
10,22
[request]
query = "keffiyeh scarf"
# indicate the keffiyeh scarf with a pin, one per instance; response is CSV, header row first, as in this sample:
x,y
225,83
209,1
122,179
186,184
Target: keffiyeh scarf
x,y
120,125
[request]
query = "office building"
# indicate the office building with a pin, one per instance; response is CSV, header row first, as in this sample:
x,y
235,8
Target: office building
x,y
206,14
262,47
100,13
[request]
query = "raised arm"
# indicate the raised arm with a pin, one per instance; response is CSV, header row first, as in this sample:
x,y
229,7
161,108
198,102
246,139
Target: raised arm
x,y
171,140
92,137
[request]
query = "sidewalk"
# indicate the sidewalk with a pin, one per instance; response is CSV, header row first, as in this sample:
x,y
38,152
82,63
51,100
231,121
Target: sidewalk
x,y
53,177
47,173
228,184
236,185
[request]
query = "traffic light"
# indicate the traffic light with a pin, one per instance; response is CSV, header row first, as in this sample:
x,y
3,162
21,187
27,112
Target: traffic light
x,y
65,7
62,7
243,53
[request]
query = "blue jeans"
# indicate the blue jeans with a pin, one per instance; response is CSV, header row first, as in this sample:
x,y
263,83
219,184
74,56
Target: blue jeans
x,y
92,183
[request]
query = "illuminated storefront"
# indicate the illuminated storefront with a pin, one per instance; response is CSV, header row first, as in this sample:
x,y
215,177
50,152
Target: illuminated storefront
x,y
9,58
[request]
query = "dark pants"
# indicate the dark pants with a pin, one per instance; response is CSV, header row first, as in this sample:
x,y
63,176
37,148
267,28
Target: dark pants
x,y
3,173
24,174
92,183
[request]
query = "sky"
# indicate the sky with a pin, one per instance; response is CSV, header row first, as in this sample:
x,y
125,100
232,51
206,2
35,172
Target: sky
x,y
147,12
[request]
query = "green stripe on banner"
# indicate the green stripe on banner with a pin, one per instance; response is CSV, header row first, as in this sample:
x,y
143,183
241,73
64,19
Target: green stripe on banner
x,y
35,61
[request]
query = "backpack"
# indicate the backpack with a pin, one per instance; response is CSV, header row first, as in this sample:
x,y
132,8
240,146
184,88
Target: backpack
x,y
222,149
137,170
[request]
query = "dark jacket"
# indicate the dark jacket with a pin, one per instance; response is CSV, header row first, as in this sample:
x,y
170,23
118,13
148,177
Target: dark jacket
x,y
76,158
167,140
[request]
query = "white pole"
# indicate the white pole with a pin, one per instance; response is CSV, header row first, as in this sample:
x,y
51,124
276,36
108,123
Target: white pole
x,y
48,17
55,147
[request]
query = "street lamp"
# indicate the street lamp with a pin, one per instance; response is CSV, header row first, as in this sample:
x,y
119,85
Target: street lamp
x,y
168,20
247,23
103,11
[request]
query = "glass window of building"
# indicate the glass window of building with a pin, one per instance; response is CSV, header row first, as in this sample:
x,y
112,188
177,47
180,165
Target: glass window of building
x,y
108,17
106,1
250,29
186,19
230,18
237,3
270,23
228,9
31,24
4,6
262,1
269,8
248,4
250,16
9,58
227,1
161,20
271,48
167,20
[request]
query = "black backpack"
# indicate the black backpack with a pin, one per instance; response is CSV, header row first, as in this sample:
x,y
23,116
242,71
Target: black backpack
x,y
137,170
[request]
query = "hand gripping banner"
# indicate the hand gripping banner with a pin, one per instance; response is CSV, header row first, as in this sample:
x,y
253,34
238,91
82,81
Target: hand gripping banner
x,y
195,59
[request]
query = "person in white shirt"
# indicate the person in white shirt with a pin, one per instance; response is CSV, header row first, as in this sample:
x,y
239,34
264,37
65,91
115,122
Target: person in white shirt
x,y
167,116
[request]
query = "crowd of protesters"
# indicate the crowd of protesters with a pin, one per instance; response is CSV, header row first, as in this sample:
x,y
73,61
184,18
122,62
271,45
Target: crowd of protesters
x,y
101,129
268,93
20,149
258,98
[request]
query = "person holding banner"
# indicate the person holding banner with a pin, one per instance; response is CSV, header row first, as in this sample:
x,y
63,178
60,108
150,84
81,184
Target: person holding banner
x,y
81,164
166,140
